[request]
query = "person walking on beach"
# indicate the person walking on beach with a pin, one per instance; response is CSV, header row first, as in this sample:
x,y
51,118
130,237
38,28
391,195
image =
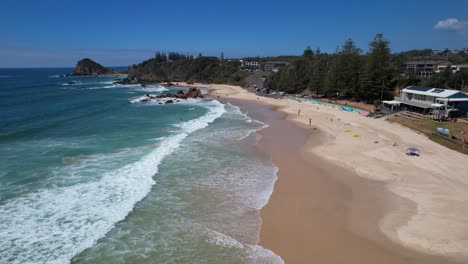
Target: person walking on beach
x,y
299,112
310,121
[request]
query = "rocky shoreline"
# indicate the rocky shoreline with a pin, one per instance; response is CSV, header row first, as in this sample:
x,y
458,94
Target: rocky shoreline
x,y
169,98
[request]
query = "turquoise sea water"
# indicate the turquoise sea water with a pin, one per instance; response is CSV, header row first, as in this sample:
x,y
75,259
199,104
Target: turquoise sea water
x,y
89,175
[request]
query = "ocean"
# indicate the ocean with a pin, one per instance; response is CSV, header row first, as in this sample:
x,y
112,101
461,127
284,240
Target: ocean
x,y
90,175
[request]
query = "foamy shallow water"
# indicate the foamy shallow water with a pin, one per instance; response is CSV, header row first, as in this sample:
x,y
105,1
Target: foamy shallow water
x,y
205,205
93,178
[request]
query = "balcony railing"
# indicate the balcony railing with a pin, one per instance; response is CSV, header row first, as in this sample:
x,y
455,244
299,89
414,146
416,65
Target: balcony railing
x,y
417,103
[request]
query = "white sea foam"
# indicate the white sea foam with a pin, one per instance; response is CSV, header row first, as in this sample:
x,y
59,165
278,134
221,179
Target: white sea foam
x,y
104,87
107,82
248,120
214,237
53,225
118,85
76,82
154,88
259,255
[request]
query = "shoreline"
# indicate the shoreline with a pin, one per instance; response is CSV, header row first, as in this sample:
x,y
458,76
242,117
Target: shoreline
x,y
302,221
420,210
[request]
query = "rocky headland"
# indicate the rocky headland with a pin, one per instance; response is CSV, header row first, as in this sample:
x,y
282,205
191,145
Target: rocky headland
x,y
88,67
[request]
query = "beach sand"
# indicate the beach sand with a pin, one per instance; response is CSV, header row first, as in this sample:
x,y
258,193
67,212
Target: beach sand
x,y
345,199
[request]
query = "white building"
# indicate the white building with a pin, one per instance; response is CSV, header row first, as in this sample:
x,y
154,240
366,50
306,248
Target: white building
x,y
428,99
250,64
453,67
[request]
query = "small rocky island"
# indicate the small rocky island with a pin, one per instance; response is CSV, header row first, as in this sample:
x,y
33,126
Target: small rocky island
x,y
172,98
88,67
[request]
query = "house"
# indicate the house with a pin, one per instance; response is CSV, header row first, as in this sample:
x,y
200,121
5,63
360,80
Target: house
x,y
248,64
424,68
453,67
273,66
427,100
459,67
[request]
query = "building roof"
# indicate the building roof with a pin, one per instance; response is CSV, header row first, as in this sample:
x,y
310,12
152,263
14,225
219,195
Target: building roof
x,y
430,91
418,88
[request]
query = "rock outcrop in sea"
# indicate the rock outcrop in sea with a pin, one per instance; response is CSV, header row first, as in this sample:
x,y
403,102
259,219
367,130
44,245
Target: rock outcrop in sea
x,y
88,67
172,98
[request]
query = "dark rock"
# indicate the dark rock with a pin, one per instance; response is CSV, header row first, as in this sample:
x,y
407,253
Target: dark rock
x,y
194,93
129,80
169,102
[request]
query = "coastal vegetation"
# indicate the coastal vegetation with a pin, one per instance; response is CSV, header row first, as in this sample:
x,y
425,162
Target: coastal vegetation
x,y
177,67
349,73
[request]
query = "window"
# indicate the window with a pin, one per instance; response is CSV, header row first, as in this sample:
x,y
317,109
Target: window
x,y
419,97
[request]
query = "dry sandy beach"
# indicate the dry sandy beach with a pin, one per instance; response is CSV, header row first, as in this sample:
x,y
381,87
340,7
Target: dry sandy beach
x,y
345,199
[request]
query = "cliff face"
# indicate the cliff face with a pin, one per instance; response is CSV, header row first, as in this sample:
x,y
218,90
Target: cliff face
x,y
88,67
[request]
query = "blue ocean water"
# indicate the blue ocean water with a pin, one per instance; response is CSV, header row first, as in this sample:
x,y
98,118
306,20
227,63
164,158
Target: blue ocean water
x,y
89,175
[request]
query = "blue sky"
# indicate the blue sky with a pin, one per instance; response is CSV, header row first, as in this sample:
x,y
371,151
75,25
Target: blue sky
x,y
58,33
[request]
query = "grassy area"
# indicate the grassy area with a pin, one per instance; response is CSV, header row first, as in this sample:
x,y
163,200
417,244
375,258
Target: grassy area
x,y
429,126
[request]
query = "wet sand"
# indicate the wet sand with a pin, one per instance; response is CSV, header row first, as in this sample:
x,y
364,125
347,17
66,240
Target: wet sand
x,y
320,212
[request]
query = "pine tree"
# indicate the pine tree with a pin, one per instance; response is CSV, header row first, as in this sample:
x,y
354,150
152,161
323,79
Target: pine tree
x,y
350,68
332,77
378,70
308,53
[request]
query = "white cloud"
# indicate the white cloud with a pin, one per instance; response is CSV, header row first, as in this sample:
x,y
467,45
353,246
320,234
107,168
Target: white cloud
x,y
451,24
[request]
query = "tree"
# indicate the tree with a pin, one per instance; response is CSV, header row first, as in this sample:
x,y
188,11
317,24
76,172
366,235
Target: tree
x,y
308,53
318,74
332,78
378,70
349,68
